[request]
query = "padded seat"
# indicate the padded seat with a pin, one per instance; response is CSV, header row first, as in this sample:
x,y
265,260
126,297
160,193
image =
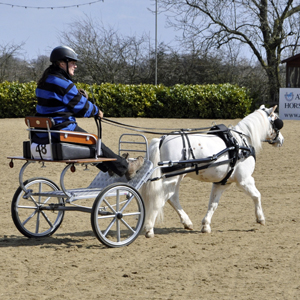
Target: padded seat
x,y
72,145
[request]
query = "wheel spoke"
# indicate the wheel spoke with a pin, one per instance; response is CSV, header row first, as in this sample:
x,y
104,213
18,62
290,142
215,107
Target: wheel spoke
x,y
132,214
109,227
45,200
34,201
127,203
37,223
108,204
106,216
118,231
47,219
27,207
29,218
127,225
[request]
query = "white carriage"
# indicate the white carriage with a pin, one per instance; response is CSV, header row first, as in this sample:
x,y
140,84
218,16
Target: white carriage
x,y
39,204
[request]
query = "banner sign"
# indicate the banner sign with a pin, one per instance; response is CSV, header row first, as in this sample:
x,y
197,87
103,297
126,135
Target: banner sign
x,y
289,103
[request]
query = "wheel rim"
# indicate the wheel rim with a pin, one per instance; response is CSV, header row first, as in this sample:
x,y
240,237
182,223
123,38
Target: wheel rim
x,y
28,216
118,216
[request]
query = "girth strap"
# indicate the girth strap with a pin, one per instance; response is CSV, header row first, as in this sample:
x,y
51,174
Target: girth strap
x,y
232,163
183,145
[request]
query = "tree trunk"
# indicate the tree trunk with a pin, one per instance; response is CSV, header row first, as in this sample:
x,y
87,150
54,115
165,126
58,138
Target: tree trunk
x,y
272,70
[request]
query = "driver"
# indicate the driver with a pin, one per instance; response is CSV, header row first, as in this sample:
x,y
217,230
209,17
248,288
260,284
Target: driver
x,y
59,98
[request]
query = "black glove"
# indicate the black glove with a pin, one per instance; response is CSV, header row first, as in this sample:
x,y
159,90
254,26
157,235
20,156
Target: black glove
x,y
83,93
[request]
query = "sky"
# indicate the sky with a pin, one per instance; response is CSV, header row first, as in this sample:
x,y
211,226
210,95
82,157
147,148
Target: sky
x,y
40,29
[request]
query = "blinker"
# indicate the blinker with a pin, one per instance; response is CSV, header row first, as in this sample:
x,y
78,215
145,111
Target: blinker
x,y
278,124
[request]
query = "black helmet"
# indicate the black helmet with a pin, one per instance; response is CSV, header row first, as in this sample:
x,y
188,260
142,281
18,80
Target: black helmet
x,y
63,53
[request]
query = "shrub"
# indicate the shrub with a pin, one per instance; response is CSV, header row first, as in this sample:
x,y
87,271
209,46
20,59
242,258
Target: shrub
x,y
144,100
17,99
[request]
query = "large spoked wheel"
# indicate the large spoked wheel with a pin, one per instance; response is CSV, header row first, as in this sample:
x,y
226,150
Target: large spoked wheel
x,y
31,212
118,215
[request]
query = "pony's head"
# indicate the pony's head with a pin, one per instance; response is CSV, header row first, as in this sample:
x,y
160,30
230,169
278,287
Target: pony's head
x,y
263,125
274,136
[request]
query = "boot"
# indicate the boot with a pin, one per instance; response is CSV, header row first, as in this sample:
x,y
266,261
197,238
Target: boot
x,y
124,155
133,167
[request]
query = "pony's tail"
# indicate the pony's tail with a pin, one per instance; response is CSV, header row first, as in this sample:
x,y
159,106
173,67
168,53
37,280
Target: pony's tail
x,y
152,190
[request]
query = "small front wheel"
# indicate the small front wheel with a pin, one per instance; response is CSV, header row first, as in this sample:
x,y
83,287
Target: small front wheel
x,y
118,215
28,209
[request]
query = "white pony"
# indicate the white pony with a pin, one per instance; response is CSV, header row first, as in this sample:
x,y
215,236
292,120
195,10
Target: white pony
x,y
215,164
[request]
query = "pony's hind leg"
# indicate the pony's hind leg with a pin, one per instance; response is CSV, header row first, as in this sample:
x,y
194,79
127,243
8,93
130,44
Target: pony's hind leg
x,y
154,201
215,195
248,186
150,221
184,218
174,202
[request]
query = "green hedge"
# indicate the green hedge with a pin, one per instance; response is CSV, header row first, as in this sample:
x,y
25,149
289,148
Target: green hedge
x,y
17,99
149,101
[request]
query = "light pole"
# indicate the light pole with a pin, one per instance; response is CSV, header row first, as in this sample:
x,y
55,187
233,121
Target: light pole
x,y
155,42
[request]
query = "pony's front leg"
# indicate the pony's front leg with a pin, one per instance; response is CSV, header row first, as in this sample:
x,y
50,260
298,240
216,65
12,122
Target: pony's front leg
x,y
248,186
215,195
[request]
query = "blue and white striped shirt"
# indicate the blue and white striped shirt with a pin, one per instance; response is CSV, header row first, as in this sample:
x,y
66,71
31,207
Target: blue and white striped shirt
x,y
59,98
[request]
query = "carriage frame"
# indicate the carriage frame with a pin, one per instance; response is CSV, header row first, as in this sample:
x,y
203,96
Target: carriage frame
x,y
118,211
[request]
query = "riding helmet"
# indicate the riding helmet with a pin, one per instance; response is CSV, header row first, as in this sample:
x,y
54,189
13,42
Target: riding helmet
x,y
64,53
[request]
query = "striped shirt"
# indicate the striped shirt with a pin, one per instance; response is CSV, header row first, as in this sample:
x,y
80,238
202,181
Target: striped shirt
x,y
59,98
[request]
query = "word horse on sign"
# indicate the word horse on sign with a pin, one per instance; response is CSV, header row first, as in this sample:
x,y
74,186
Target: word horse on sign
x,y
223,156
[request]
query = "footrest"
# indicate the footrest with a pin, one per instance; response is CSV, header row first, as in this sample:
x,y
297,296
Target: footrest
x,y
104,179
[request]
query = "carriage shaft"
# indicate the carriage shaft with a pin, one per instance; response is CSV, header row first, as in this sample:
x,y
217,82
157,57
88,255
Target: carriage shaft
x,y
195,161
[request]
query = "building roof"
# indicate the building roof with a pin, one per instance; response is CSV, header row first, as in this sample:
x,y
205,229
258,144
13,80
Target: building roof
x,y
292,58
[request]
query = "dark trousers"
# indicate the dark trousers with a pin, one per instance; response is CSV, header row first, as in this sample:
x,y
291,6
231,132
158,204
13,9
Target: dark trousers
x,y
119,166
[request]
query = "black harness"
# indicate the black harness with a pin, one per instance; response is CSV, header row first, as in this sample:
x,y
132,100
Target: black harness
x,y
235,152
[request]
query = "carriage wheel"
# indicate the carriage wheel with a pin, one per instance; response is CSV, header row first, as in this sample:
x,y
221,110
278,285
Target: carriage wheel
x,y
26,210
118,215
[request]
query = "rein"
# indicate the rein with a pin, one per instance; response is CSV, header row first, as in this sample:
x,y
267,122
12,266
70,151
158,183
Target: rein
x,y
175,131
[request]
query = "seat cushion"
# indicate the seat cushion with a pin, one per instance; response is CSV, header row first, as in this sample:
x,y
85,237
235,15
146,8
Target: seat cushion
x,y
62,151
58,151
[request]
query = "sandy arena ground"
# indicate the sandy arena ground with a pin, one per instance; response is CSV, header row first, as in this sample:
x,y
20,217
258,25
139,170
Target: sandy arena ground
x,y
238,260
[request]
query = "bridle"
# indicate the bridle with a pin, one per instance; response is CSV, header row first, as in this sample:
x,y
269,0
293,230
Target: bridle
x,y
276,124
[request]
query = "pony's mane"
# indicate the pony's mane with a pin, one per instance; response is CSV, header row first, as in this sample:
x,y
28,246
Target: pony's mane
x,y
255,126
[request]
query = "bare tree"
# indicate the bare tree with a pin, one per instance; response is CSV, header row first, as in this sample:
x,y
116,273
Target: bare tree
x,y
8,54
266,27
106,55
37,67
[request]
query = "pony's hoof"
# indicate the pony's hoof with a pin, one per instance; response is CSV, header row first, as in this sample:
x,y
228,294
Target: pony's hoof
x,y
261,222
149,234
206,229
188,226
